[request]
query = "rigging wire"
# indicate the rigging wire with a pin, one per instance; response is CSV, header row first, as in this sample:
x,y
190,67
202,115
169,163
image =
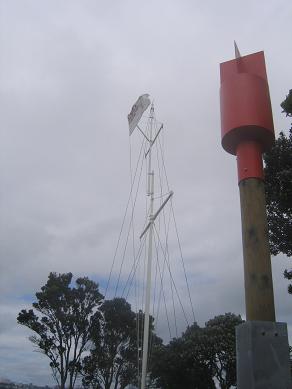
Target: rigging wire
x,y
133,270
179,299
123,222
133,233
178,239
173,307
165,305
129,230
163,164
155,289
136,289
161,274
183,263
166,230
162,228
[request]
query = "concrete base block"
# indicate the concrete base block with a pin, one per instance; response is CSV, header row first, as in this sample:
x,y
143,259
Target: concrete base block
x,y
262,352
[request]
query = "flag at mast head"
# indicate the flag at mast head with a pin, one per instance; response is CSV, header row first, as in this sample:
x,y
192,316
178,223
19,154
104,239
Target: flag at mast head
x,y
137,111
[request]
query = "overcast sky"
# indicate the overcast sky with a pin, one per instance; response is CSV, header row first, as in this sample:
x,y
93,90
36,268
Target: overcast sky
x,y
69,74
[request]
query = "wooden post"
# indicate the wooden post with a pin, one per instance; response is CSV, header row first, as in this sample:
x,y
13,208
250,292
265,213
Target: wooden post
x,y
247,127
259,296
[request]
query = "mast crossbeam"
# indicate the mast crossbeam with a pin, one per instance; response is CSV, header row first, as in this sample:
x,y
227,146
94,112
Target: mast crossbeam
x,y
156,214
152,143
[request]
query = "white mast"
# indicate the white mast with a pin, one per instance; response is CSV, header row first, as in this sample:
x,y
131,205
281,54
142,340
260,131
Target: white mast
x,y
149,263
135,115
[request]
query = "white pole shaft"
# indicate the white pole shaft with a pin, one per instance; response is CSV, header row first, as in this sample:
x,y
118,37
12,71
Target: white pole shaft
x,y
147,300
150,151
149,263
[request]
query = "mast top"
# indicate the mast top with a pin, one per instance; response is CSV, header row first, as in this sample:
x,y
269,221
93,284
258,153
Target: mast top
x,y
137,111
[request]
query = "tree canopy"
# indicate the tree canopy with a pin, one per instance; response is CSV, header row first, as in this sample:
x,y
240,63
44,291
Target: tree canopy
x,y
278,177
287,104
113,355
220,332
101,341
199,357
183,363
85,336
66,317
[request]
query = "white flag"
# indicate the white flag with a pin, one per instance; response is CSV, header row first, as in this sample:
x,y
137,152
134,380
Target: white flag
x,y
137,111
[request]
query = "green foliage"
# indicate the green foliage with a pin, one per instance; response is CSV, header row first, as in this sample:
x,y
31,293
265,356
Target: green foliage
x,y
278,177
112,360
63,326
287,104
116,352
199,356
69,322
288,275
221,335
182,364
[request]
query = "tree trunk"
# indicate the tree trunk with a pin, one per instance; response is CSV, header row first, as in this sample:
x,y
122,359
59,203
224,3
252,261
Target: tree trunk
x,y
63,382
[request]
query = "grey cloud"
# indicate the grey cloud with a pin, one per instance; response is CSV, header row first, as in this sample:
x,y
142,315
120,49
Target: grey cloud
x,y
69,72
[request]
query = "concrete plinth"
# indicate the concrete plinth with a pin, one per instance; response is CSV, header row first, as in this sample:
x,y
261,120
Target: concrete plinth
x,y
262,352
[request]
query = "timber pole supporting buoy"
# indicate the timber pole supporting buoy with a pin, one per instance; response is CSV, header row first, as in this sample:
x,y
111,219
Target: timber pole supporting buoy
x,y
247,131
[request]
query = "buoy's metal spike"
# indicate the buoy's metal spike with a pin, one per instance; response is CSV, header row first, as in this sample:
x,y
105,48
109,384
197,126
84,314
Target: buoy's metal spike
x,y
237,52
